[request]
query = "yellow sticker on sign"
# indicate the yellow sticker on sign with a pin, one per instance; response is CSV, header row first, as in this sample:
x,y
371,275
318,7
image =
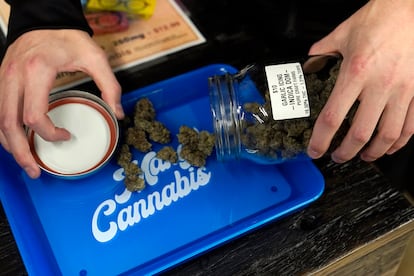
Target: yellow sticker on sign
x,y
144,8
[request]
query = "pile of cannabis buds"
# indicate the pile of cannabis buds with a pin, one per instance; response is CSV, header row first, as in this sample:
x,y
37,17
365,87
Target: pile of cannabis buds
x,y
142,130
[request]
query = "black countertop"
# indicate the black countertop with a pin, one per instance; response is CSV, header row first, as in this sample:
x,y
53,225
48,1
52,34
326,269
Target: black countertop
x,y
361,202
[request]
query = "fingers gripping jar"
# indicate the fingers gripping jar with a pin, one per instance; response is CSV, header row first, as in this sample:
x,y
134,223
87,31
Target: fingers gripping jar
x,y
266,113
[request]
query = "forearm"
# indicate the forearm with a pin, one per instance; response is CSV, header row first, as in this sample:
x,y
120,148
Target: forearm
x,y
44,14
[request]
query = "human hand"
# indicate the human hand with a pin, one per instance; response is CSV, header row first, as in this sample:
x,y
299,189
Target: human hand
x,y
377,70
27,75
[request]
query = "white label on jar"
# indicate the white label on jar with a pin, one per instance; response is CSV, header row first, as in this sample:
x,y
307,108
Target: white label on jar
x,y
288,93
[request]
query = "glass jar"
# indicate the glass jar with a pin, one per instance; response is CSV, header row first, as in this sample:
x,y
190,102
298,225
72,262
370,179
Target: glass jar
x,y
265,113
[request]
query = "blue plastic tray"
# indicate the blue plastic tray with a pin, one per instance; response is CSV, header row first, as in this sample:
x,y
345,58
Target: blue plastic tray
x,y
93,226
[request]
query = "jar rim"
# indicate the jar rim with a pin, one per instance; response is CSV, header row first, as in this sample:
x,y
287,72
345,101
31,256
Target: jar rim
x,y
225,110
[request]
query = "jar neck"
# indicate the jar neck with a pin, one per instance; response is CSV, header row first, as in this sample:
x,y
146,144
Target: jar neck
x,y
226,116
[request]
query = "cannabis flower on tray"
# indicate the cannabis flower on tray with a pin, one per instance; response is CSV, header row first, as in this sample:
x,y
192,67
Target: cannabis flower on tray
x,y
143,130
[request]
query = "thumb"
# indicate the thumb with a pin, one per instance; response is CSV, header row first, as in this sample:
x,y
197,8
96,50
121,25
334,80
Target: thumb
x,y
326,45
111,93
110,88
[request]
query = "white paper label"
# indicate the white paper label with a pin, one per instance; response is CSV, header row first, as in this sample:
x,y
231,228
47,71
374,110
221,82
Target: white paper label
x,y
288,93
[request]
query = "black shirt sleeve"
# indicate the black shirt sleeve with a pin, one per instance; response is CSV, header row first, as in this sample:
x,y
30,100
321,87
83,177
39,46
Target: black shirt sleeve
x,y
27,15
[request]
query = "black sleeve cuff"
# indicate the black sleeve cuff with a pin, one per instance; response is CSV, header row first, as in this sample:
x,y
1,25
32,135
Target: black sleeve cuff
x,y
27,15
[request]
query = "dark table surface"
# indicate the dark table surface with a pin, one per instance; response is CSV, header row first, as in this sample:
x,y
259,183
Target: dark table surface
x,y
361,202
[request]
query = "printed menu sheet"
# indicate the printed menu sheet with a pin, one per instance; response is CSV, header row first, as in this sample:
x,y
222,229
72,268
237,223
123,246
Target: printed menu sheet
x,y
130,40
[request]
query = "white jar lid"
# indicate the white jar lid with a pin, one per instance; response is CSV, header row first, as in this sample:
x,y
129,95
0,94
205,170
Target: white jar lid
x,y
94,135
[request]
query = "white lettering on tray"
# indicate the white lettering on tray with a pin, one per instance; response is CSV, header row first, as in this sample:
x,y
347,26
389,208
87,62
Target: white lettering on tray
x,y
117,214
